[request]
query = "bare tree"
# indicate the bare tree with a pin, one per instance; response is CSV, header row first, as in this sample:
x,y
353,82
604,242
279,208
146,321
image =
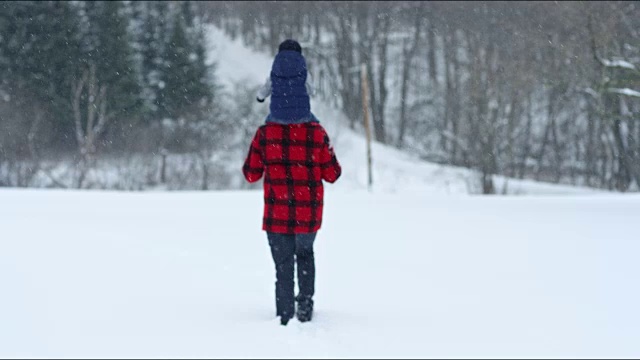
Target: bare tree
x,y
525,96
380,91
91,123
408,54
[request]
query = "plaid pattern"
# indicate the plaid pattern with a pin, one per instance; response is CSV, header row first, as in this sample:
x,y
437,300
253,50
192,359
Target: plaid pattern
x,y
294,159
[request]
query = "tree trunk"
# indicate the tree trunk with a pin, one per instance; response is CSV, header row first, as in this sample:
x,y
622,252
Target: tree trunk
x,y
448,96
557,150
545,137
628,166
89,127
527,143
380,105
346,63
433,70
512,118
590,156
408,53
455,109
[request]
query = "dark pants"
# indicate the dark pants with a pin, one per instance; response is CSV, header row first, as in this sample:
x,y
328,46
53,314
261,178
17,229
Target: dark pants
x,y
283,249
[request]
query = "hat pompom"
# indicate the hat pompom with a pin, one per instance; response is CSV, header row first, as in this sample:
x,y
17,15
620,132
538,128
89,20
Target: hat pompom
x,y
290,45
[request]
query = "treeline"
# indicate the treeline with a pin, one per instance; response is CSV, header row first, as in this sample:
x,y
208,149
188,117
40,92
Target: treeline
x,y
540,90
80,77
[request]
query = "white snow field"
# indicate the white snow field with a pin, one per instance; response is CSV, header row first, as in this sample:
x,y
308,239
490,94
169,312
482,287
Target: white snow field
x,y
415,269
189,274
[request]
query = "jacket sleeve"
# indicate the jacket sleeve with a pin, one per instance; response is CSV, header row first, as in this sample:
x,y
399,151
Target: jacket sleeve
x,y
264,91
331,169
253,167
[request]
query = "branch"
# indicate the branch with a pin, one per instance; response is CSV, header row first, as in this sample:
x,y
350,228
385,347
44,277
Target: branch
x,y
76,90
56,182
31,136
103,117
625,91
91,104
594,46
463,146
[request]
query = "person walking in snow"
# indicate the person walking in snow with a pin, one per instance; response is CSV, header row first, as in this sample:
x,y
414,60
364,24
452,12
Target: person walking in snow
x,y
293,152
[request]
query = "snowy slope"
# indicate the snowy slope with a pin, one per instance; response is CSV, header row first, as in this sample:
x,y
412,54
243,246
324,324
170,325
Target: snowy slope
x,y
189,274
394,170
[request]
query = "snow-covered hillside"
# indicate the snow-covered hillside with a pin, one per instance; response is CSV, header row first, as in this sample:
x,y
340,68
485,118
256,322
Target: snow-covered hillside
x,y
394,170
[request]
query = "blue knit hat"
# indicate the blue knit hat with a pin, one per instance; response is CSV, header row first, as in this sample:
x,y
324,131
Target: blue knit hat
x,y
289,98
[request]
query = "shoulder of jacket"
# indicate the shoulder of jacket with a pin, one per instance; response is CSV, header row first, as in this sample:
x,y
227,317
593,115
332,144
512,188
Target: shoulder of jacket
x,y
316,125
262,128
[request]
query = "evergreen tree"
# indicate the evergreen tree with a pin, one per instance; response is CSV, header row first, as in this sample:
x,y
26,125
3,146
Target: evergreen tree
x,y
204,82
109,48
39,54
148,44
176,80
63,61
188,85
178,73
150,55
156,57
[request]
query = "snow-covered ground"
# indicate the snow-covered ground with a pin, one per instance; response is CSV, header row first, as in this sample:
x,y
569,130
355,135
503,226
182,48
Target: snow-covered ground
x,y
189,274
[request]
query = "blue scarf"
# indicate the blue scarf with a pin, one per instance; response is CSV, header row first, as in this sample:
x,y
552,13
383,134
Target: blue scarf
x,y
310,118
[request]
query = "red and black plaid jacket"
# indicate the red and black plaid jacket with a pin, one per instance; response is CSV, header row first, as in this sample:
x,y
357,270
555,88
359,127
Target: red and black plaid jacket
x,y
295,159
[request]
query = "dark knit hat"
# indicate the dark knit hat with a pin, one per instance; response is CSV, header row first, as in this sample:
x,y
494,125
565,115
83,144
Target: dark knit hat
x,y
290,45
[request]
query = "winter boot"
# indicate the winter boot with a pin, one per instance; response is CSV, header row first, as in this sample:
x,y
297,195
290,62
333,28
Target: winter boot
x,y
305,308
284,320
